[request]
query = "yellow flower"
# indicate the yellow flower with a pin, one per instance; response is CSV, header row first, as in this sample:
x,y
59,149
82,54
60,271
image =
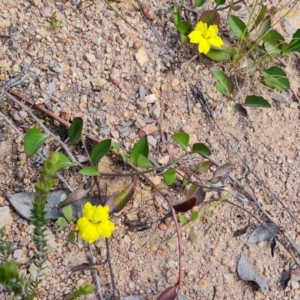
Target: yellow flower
x,y
95,223
205,37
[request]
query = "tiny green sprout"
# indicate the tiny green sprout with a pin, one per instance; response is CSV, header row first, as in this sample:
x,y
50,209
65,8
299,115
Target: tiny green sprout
x,y
52,22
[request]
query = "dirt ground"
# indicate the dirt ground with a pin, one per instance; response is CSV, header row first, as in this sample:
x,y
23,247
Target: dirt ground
x,y
97,66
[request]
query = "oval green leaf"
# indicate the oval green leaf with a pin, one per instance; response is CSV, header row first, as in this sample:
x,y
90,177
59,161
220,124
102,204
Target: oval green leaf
x,y
143,162
182,139
89,171
183,39
169,176
260,16
193,237
33,140
294,45
272,48
71,237
273,35
75,130
115,146
220,2
201,148
220,55
224,84
176,15
64,160
184,27
199,3
238,27
276,78
140,147
256,101
194,215
61,221
100,150
204,166
67,212
182,219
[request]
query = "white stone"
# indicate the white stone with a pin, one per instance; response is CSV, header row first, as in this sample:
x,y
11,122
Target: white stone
x,y
141,57
5,216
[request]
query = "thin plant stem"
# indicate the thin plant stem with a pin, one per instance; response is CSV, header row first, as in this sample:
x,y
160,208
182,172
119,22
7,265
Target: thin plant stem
x,y
46,130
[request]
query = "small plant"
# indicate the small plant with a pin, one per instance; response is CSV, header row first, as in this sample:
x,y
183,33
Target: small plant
x,y
52,22
95,221
256,45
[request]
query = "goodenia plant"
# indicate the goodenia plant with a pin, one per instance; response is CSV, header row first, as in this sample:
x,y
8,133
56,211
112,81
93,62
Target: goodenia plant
x,y
95,220
256,45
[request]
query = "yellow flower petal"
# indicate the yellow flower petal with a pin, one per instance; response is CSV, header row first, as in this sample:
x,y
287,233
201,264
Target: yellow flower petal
x,y
195,37
101,214
216,41
204,46
212,31
202,28
89,210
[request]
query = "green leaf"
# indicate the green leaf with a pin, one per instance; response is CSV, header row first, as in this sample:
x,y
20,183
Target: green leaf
x,y
264,27
273,35
120,200
224,84
75,130
204,166
182,219
294,45
62,222
182,139
272,48
201,148
276,78
115,146
210,17
184,27
33,140
220,2
273,42
100,150
183,39
48,25
169,176
176,15
140,147
143,162
238,27
71,237
68,212
194,215
193,237
240,109
64,161
199,3
220,55
89,171
56,25
256,101
260,16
